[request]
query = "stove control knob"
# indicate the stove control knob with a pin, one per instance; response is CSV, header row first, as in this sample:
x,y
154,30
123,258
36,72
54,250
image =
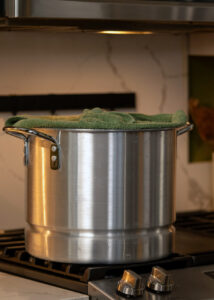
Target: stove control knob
x,y
131,284
160,281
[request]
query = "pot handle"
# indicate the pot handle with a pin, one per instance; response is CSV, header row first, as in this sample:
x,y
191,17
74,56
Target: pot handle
x,y
25,133
186,128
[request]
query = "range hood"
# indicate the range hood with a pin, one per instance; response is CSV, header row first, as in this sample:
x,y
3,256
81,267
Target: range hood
x,y
108,15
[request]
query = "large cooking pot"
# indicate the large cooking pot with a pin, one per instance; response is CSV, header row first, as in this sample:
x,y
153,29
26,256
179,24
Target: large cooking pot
x,y
100,196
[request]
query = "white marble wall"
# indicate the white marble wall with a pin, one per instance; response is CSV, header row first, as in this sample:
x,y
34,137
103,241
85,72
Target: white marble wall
x,y
154,67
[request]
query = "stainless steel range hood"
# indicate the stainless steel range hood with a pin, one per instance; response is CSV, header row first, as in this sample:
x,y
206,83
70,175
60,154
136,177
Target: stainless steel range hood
x,y
118,15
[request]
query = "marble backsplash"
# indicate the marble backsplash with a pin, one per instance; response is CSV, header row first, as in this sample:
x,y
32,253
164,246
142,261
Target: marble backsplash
x,y
155,67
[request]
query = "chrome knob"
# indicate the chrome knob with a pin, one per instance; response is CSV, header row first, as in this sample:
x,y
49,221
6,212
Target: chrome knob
x,y
160,281
131,284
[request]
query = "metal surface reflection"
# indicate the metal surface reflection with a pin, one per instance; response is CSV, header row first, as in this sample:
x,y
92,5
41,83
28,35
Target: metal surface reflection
x,y
112,200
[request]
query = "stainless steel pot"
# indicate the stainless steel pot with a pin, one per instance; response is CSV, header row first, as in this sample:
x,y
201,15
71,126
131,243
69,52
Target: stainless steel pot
x,y
100,196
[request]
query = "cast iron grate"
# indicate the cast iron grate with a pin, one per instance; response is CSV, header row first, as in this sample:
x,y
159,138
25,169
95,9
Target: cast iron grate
x,y
14,259
199,222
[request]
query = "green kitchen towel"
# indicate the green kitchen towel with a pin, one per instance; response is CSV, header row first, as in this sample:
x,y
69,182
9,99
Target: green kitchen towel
x,y
98,118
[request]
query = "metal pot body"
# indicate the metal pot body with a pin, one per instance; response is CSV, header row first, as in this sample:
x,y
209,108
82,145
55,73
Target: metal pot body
x,y
110,201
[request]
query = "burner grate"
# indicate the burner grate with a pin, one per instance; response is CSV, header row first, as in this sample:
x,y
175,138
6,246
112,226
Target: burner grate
x,y
14,259
199,222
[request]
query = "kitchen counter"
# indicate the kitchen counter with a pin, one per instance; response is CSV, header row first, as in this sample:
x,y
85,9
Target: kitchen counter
x,y
14,287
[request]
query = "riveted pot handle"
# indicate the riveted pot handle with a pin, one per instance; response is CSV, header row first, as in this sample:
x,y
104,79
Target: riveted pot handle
x,y
25,133
186,128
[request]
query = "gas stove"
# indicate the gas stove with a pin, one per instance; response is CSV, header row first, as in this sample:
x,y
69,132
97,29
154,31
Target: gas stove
x,y
191,265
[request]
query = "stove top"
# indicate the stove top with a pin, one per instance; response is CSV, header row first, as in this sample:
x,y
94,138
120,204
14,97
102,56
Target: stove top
x,y
194,246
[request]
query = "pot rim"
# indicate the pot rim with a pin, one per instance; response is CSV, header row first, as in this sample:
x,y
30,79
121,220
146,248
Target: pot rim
x,y
95,130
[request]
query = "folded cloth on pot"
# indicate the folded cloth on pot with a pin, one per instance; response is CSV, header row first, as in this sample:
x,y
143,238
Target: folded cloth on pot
x,y
98,118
